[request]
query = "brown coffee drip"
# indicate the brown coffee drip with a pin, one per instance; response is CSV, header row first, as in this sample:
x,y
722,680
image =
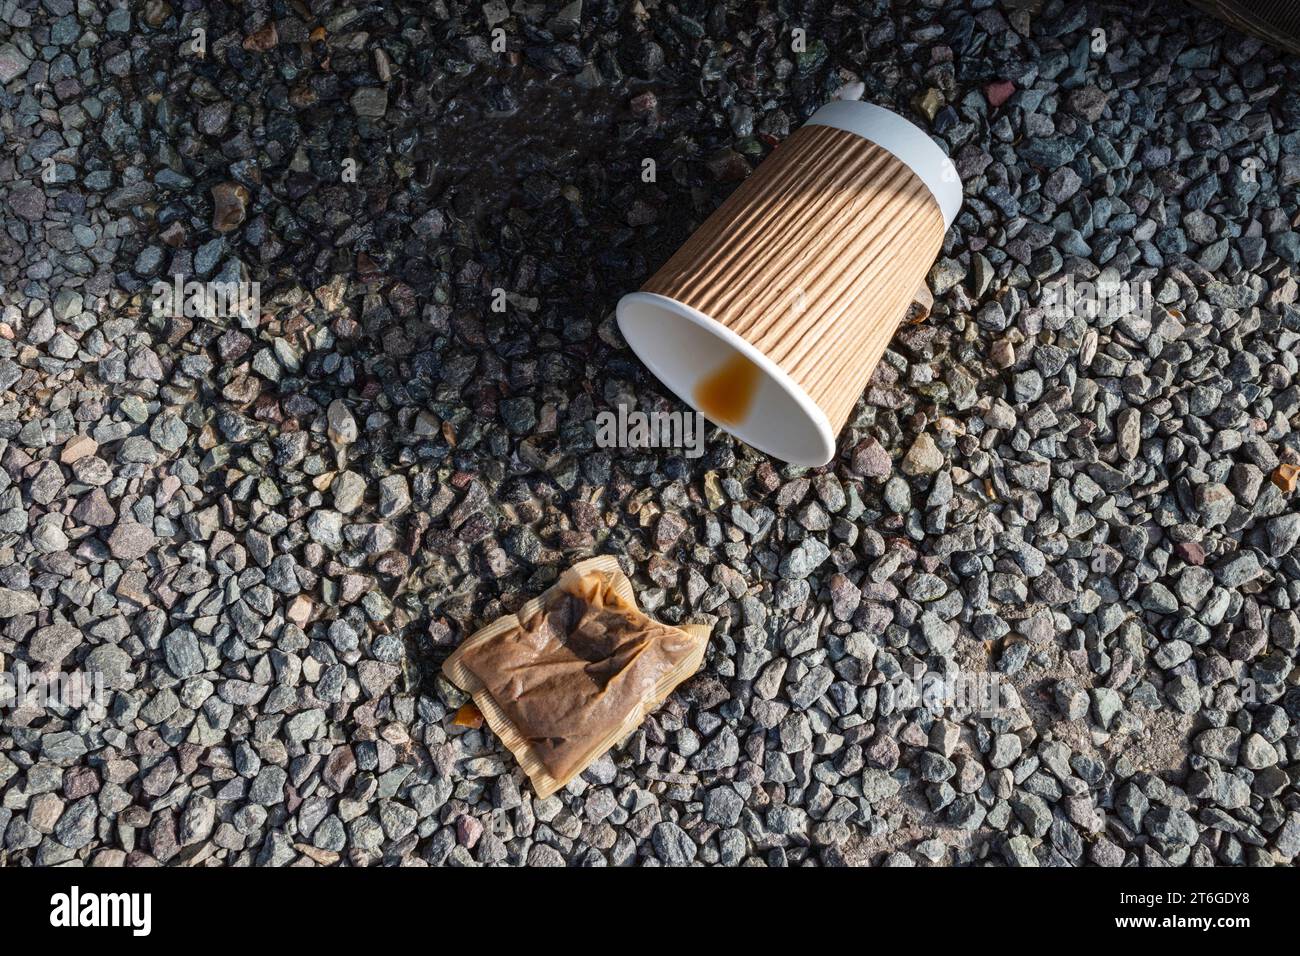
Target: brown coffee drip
x,y
727,394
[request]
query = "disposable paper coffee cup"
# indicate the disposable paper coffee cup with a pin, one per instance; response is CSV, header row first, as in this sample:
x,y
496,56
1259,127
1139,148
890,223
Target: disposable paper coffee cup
x,y
805,272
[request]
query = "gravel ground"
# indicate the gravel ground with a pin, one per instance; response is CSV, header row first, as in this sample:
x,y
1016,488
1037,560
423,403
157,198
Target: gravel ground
x,y
266,534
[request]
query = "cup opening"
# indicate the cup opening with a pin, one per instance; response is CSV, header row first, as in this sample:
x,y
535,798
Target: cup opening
x,y
683,347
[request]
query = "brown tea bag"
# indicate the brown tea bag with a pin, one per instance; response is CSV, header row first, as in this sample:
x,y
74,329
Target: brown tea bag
x,y
574,672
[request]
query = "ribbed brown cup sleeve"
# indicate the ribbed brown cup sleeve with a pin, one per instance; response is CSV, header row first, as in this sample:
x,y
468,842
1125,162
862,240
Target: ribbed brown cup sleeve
x,y
814,260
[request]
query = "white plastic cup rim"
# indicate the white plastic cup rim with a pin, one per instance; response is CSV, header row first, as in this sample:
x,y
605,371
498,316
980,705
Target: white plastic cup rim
x,y
682,345
911,144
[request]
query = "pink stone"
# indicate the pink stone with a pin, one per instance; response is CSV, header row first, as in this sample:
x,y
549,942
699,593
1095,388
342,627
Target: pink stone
x,y
998,92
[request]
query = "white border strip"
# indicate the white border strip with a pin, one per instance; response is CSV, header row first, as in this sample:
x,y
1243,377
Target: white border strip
x,y
908,142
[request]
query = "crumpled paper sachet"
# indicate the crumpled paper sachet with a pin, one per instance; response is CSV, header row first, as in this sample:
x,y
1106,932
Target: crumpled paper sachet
x,y
574,671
